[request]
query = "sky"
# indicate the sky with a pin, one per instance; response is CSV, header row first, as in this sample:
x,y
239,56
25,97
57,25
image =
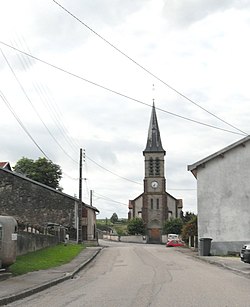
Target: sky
x,y
83,74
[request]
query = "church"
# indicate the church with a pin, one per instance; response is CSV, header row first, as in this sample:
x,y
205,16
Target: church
x,y
154,205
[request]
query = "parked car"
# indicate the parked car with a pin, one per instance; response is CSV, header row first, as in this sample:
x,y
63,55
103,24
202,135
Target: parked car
x,y
245,253
174,243
173,236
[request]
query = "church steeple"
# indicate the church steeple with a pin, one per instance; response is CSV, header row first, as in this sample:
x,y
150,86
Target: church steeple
x,y
154,137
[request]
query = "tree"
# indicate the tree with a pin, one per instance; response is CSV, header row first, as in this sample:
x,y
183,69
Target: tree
x,y
188,216
173,226
190,229
114,218
41,170
136,227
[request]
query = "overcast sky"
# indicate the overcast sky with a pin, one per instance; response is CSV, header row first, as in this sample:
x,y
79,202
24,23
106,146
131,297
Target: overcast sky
x,y
189,49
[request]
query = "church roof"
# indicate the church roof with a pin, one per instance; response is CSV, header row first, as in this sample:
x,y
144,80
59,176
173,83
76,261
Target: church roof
x,y
154,137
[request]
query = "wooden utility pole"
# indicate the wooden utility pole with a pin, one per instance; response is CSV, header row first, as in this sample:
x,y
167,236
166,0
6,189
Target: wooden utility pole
x,y
80,200
91,198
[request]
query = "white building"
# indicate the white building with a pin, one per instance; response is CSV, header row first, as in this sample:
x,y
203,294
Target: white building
x,y
223,197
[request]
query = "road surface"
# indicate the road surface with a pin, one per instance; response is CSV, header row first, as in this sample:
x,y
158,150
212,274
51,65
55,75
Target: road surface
x,y
140,275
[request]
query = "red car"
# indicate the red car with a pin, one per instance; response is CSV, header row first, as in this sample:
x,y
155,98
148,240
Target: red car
x,y
174,243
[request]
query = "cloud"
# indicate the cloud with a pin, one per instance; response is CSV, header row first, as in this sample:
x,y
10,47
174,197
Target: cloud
x,y
185,13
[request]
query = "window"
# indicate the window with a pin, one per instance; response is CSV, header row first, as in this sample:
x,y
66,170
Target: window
x,y
151,167
157,203
157,166
152,203
84,212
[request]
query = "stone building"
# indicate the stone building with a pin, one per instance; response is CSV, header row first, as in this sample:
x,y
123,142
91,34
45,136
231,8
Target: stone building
x,y
37,204
223,197
154,205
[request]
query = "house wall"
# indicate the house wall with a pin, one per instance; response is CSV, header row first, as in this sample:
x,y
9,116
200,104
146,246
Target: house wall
x,y
223,193
91,225
137,207
30,202
172,206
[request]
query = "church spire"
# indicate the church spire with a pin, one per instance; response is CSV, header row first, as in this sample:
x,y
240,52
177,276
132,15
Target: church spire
x,y
154,138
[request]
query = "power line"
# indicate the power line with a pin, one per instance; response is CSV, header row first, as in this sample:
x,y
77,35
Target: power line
x,y
38,115
146,70
109,199
118,93
45,97
21,124
112,172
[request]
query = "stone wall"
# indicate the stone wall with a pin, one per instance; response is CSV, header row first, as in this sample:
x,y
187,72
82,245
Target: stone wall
x,y
34,203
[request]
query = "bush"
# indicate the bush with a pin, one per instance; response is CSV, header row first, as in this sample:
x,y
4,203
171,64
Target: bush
x,y
136,227
173,226
190,229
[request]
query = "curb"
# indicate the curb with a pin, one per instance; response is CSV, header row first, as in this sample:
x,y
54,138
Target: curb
x,y
31,291
219,264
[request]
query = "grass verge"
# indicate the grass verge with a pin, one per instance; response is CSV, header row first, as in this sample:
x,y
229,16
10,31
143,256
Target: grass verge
x,y
45,258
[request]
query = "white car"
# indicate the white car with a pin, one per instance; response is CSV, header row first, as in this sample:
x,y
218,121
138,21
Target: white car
x,y
245,253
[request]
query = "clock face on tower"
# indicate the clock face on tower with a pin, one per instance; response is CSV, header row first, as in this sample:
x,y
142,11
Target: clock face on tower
x,y
154,184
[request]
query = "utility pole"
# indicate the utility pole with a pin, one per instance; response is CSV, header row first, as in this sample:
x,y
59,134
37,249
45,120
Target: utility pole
x,y
80,200
91,197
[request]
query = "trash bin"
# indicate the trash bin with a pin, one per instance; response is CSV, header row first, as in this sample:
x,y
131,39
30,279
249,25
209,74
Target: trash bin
x,y
205,245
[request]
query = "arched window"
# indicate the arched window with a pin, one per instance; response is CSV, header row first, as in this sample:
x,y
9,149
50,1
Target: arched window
x,y
151,166
157,166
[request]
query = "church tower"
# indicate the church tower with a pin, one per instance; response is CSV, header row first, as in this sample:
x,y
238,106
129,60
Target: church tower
x,y
154,205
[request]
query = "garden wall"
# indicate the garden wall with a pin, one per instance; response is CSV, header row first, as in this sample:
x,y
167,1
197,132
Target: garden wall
x,y
131,239
30,242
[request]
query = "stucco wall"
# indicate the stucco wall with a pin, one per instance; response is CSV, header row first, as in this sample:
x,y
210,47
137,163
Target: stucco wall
x,y
138,207
223,192
172,206
91,225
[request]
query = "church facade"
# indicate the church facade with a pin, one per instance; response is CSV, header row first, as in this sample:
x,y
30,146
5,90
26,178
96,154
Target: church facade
x,y
154,205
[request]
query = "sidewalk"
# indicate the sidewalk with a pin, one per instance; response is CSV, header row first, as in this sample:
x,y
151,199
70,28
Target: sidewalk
x,y
18,287
230,263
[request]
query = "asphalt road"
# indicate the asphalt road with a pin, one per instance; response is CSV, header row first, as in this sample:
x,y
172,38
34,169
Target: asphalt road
x,y
146,275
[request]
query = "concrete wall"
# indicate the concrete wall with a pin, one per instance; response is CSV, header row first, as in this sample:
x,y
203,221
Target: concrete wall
x,y
30,242
223,192
131,239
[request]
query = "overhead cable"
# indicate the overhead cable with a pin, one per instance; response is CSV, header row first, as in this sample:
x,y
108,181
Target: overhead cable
x,y
109,199
32,105
146,70
112,172
118,93
21,123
